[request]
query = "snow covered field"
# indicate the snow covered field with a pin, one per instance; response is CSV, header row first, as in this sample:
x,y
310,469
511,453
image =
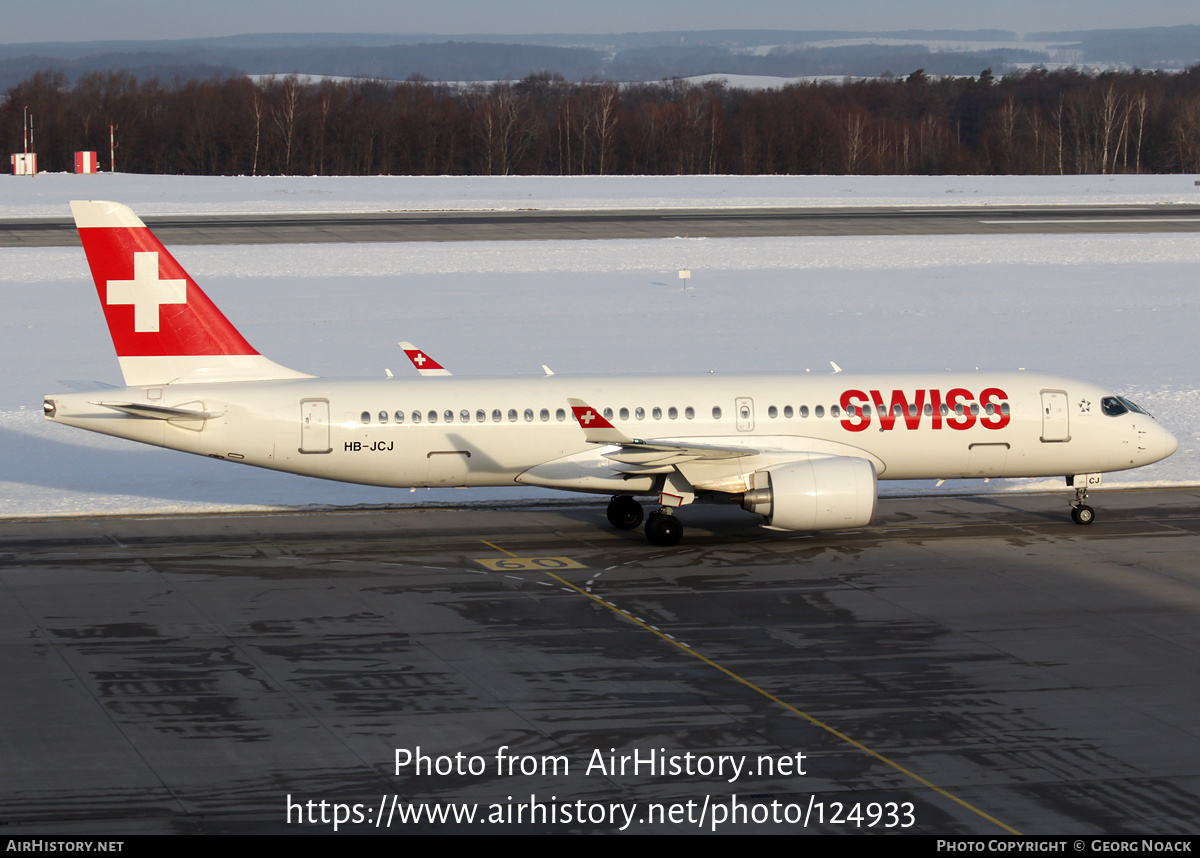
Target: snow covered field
x,y
46,194
1118,310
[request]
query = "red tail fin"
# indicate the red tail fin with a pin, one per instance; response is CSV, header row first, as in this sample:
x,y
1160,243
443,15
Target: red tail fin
x,y
163,326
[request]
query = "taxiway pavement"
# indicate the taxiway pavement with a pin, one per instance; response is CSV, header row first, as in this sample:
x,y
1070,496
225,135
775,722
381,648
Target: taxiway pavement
x,y
632,223
197,674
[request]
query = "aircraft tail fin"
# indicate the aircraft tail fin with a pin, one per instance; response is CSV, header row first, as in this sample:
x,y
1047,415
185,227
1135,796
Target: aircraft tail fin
x,y
163,326
424,363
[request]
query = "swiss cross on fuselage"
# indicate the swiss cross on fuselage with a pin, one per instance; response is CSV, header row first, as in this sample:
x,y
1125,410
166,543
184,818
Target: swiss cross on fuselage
x,y
146,292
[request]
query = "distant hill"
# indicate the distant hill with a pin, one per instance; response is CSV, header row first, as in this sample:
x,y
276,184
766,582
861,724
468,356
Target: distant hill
x,y
613,56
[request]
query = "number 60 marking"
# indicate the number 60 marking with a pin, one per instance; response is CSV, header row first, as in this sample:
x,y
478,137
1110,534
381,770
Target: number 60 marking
x,y
516,564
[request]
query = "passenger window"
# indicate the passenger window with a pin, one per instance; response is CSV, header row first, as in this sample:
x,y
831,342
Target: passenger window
x,y
383,416
560,415
772,412
496,415
365,417
528,415
480,416
448,416
787,411
432,415
928,409
804,411
689,412
673,413
716,412
544,414
399,416
820,411
657,413
416,417
608,414
512,415
639,413
624,413
835,411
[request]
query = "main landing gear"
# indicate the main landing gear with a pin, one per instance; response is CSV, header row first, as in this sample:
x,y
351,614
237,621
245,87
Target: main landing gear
x,y
662,528
1081,513
624,513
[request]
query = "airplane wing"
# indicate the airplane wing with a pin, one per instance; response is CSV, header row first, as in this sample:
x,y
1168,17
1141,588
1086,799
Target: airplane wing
x,y
635,451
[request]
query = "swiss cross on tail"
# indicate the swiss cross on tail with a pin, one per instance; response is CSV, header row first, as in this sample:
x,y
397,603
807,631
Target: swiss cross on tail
x,y
147,292
423,362
152,307
163,326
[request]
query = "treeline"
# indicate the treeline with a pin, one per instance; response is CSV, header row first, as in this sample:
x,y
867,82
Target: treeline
x,y
1034,123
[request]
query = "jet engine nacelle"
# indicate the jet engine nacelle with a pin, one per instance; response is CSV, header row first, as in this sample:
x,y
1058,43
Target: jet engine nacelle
x,y
815,494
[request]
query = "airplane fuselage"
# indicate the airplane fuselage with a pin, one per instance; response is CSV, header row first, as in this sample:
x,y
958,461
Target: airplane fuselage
x,y
459,431
803,451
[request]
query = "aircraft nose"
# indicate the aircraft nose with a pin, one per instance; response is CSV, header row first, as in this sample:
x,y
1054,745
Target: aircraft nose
x,y
1170,443
1160,443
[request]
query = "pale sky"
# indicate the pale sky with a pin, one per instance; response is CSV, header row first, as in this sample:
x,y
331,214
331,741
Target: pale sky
x,y
76,20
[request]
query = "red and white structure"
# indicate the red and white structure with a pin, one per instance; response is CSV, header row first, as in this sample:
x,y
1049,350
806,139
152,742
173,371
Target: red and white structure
x,y
24,163
86,162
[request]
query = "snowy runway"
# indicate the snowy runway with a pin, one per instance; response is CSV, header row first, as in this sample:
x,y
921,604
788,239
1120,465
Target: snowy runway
x,y
1117,310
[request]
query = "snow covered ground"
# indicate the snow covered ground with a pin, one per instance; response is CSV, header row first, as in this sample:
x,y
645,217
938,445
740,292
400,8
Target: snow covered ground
x,y
46,195
1117,309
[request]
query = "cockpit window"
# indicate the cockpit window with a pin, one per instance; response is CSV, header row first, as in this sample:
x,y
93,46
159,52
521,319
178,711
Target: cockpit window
x,y
1115,406
1133,407
1111,405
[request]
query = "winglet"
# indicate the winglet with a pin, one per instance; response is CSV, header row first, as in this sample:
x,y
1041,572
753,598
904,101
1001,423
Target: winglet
x,y
596,429
423,362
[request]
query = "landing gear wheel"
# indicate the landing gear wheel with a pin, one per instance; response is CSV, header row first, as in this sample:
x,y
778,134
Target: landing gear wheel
x,y
624,513
663,529
1081,513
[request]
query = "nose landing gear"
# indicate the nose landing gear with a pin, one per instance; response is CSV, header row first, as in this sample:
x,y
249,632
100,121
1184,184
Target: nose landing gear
x,y
1081,513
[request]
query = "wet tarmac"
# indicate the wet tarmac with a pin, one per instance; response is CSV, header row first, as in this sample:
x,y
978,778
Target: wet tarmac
x,y
969,665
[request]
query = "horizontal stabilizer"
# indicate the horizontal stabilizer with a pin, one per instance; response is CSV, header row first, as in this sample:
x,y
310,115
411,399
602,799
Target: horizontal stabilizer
x,y
159,412
83,386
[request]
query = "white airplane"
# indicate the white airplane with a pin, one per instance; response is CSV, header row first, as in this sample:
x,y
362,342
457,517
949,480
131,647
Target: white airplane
x,y
803,451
